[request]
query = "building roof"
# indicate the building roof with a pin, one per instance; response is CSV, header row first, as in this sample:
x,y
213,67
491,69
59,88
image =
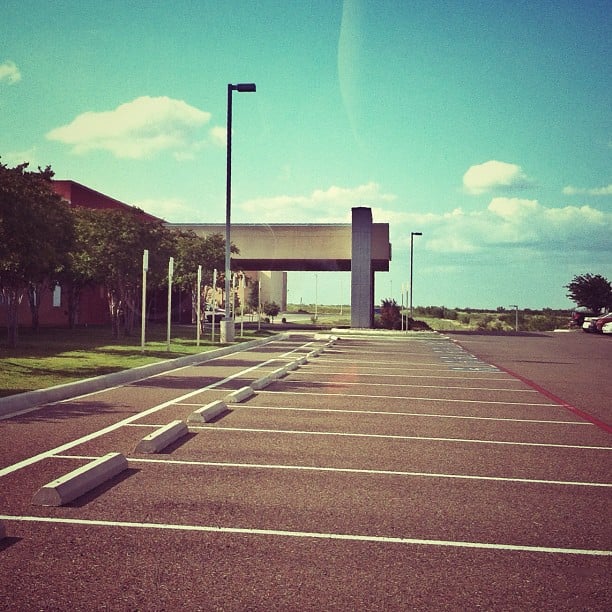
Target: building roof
x,y
80,195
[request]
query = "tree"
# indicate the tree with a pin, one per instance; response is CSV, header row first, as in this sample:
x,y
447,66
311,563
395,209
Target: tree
x,y
78,271
192,251
252,302
112,243
35,227
271,309
592,291
390,315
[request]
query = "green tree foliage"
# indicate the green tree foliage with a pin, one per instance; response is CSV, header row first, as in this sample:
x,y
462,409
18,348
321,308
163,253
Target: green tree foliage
x,y
592,291
436,312
35,226
44,241
252,301
271,309
390,315
192,251
110,247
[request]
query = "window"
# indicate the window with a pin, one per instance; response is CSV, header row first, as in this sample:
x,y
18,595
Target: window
x,y
57,296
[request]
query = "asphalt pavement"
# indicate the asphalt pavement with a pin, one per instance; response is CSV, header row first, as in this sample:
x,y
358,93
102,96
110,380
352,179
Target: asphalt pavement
x,y
386,472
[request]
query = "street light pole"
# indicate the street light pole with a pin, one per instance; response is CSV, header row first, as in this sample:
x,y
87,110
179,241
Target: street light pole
x,y
515,306
227,326
412,235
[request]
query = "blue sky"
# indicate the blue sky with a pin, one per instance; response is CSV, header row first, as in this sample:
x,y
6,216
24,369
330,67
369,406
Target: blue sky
x,y
486,125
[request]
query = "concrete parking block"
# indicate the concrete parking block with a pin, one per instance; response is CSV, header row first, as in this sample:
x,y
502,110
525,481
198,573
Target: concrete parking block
x,y
80,481
162,437
279,373
239,395
208,413
262,383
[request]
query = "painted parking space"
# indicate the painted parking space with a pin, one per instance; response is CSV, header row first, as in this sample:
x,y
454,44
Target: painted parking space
x,y
312,470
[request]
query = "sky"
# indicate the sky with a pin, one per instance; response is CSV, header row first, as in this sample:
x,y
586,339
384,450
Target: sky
x,y
484,124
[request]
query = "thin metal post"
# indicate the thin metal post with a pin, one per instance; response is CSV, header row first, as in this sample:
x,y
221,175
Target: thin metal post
x,y
412,235
143,314
199,307
170,273
515,306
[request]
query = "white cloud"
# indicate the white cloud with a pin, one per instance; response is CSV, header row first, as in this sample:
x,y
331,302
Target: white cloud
x,y
332,205
595,191
513,209
519,223
14,158
137,129
494,176
173,210
9,72
218,135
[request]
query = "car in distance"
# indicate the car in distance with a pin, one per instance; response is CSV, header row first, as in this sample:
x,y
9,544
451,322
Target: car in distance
x,y
579,314
218,312
601,321
606,328
589,322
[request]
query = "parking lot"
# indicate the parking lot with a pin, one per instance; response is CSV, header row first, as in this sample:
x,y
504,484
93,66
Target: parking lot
x,y
385,473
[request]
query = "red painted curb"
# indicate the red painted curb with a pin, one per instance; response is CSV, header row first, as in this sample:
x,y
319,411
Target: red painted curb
x,y
551,396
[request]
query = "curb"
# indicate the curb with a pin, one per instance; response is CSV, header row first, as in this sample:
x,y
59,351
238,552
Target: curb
x,y
31,399
80,481
162,437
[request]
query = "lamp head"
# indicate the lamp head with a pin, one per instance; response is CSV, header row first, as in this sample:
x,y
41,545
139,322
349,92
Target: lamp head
x,y
245,87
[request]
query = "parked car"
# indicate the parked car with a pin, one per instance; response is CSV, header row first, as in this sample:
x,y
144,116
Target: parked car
x,y
601,321
219,314
589,322
578,316
606,328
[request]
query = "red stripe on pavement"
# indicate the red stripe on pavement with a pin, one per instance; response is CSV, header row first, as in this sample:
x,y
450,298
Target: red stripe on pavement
x,y
551,396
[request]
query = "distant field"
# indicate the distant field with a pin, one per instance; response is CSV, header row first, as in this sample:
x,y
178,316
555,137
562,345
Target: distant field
x,y
440,318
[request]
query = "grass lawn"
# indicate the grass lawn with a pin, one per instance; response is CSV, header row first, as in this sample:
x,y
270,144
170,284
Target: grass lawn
x,y
57,356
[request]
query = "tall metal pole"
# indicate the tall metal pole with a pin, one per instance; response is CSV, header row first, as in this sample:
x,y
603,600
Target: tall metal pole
x,y
412,235
228,206
228,324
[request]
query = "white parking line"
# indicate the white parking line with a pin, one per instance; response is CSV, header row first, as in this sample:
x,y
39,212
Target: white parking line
x,y
345,383
405,397
372,365
299,432
313,535
311,468
411,414
309,372
496,374
96,434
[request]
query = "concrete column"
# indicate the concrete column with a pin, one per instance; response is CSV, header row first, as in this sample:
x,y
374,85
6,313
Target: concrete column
x,y
362,275
274,287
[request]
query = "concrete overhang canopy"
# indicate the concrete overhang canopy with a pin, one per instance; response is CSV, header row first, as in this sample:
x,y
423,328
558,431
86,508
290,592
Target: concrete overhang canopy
x,y
297,247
